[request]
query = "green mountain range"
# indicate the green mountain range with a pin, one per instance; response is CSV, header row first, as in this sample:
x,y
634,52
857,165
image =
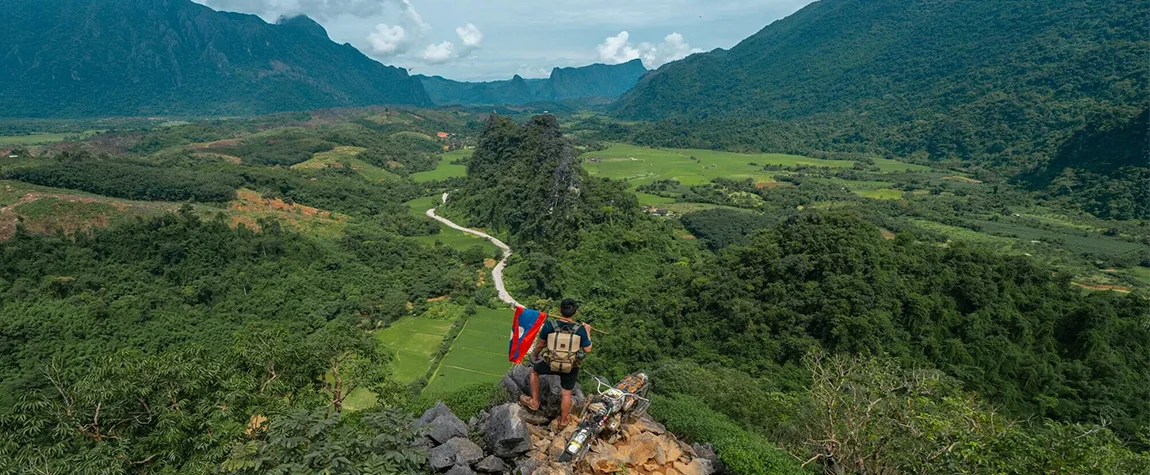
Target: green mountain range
x,y
1000,86
564,84
175,57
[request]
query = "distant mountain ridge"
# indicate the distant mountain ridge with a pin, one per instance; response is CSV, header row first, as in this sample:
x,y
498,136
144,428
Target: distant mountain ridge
x,y
596,80
950,79
176,57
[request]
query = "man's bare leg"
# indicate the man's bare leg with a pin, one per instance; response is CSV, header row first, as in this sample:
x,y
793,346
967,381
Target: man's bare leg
x,y
565,408
533,402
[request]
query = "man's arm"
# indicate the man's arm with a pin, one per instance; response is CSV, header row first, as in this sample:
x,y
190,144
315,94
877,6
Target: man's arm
x,y
587,327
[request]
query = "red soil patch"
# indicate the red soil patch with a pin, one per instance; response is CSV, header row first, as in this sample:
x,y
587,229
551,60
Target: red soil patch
x,y
688,236
768,184
441,135
1115,288
247,200
886,234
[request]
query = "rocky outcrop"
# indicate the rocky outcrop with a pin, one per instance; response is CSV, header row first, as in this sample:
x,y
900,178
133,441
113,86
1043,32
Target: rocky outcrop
x,y
505,431
510,439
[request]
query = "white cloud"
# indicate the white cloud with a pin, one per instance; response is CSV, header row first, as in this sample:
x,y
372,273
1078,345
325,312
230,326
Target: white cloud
x,y
618,49
470,36
388,41
438,53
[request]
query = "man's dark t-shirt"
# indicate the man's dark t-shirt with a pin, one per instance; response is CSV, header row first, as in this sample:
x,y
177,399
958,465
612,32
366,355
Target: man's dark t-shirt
x,y
551,326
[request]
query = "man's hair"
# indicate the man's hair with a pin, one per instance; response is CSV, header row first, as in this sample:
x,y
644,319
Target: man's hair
x,y
568,307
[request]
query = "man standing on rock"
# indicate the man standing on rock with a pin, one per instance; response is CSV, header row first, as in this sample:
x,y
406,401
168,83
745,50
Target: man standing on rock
x,y
566,343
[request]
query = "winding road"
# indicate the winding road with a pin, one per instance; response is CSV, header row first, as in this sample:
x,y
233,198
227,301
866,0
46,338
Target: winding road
x,y
497,272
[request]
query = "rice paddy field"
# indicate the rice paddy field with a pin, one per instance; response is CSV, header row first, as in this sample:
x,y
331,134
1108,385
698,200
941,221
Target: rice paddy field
x,y
34,139
452,238
479,354
445,169
642,165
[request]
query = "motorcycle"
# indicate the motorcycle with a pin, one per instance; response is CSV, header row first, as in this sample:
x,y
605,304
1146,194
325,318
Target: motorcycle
x,y
606,412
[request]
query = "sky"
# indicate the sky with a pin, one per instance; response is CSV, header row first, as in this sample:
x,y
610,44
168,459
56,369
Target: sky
x,y
480,40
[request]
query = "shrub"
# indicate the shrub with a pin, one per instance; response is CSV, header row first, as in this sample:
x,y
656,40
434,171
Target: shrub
x,y
743,452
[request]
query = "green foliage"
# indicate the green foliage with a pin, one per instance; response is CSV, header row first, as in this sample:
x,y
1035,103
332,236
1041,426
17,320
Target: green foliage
x,y
379,441
131,180
526,180
464,402
741,451
720,228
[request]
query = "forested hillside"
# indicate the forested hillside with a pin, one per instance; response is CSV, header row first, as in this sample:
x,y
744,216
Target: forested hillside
x,y
155,57
740,330
564,84
997,85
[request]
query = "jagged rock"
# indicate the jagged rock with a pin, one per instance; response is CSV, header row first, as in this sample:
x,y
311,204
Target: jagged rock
x,y
553,468
707,452
520,377
442,423
528,465
460,470
491,464
704,466
506,432
557,446
447,427
605,458
457,451
669,448
438,410
513,389
641,449
645,424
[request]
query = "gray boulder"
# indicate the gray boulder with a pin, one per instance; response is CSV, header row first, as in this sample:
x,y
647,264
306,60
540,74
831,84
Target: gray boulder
x,y
491,464
457,451
442,425
460,470
528,466
438,410
506,431
707,452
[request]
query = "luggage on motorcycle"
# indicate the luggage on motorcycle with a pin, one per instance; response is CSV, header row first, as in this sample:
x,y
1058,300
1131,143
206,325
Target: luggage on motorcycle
x,y
563,347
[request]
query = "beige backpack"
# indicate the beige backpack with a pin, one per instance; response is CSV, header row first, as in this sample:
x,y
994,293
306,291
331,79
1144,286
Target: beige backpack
x,y
563,347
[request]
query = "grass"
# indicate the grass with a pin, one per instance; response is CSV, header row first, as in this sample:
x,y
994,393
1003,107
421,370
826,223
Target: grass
x,y
479,354
347,155
445,169
880,194
413,340
38,139
647,199
641,165
886,165
449,237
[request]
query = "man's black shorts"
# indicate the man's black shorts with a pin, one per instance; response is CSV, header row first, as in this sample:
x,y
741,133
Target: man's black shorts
x,y
566,380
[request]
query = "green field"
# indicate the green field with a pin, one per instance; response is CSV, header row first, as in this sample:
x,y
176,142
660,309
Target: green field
x,y
452,238
886,165
479,354
880,194
414,340
445,169
641,165
647,199
347,155
35,139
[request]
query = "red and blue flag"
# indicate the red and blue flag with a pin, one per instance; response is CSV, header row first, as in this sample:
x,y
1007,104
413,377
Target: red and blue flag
x,y
524,329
